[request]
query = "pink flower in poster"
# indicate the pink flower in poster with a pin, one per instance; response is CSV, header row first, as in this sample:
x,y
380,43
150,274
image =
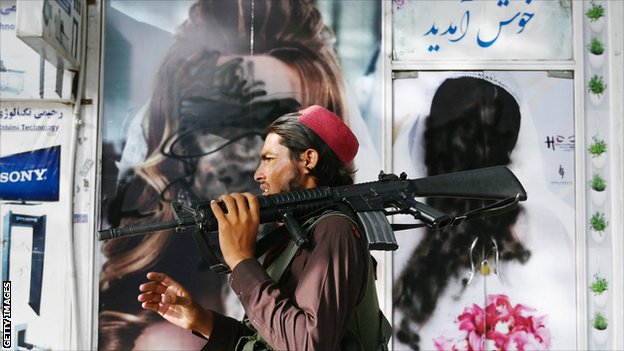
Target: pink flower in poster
x,y
501,326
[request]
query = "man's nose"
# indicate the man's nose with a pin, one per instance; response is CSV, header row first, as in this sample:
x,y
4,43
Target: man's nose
x,y
258,174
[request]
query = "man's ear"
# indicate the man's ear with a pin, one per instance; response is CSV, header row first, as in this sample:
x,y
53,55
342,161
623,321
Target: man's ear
x,y
310,158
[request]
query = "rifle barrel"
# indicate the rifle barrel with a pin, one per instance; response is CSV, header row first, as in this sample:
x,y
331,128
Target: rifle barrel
x,y
113,233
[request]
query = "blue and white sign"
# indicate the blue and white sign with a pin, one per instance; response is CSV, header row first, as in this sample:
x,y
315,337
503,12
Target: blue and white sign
x,y
482,30
31,176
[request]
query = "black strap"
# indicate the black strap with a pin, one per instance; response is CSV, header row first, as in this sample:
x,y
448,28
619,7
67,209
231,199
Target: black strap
x,y
270,240
485,211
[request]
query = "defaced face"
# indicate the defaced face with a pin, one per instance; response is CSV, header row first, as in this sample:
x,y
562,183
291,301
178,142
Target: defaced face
x,y
278,171
231,168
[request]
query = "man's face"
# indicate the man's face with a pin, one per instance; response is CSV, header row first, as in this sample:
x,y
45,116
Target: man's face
x,y
277,171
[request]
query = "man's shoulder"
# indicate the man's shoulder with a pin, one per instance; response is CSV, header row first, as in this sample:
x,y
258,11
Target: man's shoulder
x,y
335,222
334,217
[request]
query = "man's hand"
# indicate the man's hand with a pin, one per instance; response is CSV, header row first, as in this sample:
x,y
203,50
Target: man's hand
x,y
238,227
174,303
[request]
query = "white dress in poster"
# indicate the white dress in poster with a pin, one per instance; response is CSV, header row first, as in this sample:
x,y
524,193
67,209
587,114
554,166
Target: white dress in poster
x,y
520,266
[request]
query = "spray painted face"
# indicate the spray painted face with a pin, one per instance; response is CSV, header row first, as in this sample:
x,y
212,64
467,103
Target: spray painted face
x,y
230,169
224,112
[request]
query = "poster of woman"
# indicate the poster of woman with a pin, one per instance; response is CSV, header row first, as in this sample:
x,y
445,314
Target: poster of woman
x,y
505,282
189,87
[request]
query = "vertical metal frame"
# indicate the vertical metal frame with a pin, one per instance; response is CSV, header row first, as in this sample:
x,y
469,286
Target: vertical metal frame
x,y
579,176
93,90
615,43
386,140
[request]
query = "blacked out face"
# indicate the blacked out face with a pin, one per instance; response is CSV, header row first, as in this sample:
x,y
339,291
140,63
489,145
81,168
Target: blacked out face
x,y
224,113
230,169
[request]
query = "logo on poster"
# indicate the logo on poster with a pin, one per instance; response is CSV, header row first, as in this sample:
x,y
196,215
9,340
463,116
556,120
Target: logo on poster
x,y
31,175
560,142
23,176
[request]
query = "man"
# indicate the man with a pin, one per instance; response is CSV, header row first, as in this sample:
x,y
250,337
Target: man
x,y
312,304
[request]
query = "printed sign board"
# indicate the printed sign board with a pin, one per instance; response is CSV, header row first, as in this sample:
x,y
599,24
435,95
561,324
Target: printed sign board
x,y
31,176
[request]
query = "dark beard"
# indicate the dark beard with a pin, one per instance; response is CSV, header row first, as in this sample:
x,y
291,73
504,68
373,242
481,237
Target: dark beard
x,y
294,183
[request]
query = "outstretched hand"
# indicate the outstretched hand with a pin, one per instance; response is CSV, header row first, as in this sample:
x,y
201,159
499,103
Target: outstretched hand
x,y
174,303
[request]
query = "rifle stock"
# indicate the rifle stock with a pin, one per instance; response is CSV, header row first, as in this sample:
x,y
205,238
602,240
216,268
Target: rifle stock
x,y
491,183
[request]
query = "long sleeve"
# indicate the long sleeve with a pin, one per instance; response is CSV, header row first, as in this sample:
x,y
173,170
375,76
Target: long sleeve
x,y
311,305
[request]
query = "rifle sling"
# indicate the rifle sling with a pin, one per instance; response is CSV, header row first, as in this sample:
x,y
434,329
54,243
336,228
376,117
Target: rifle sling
x,y
485,211
271,239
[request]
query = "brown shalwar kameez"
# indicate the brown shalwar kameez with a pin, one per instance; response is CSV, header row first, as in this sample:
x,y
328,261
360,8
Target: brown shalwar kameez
x,y
311,305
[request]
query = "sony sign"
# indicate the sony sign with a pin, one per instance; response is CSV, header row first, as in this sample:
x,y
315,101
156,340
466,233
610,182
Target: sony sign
x,y
31,176
37,175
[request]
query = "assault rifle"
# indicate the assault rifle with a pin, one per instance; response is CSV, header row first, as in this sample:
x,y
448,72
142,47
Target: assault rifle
x,y
371,202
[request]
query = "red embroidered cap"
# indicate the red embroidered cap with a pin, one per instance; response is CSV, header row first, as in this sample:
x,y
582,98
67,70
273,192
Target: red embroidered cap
x,y
329,127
